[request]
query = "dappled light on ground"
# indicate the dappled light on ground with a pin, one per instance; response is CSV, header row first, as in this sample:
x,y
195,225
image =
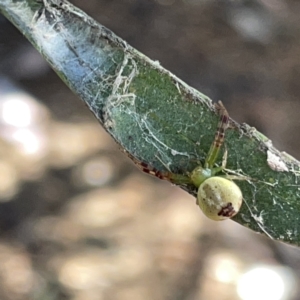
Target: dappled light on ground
x,y
78,220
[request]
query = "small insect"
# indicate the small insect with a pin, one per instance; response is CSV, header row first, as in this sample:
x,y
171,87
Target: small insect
x,y
218,196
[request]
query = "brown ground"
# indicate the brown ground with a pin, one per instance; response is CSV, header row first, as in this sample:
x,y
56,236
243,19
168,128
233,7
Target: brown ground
x,y
81,222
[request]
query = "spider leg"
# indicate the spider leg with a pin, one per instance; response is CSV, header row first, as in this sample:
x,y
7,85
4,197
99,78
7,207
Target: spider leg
x,y
224,160
164,175
237,177
219,137
146,168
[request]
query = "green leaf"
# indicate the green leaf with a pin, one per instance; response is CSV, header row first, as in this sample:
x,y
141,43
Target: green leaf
x,y
156,117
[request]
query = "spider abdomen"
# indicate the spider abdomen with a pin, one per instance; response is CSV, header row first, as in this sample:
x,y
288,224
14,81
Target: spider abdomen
x,y
219,198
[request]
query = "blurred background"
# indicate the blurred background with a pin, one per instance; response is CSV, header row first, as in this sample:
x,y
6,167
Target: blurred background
x,y
78,220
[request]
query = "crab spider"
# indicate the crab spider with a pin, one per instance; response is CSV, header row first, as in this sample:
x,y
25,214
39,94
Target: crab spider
x,y
218,196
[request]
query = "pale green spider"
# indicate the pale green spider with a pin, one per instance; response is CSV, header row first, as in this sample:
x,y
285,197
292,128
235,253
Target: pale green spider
x,y
218,196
